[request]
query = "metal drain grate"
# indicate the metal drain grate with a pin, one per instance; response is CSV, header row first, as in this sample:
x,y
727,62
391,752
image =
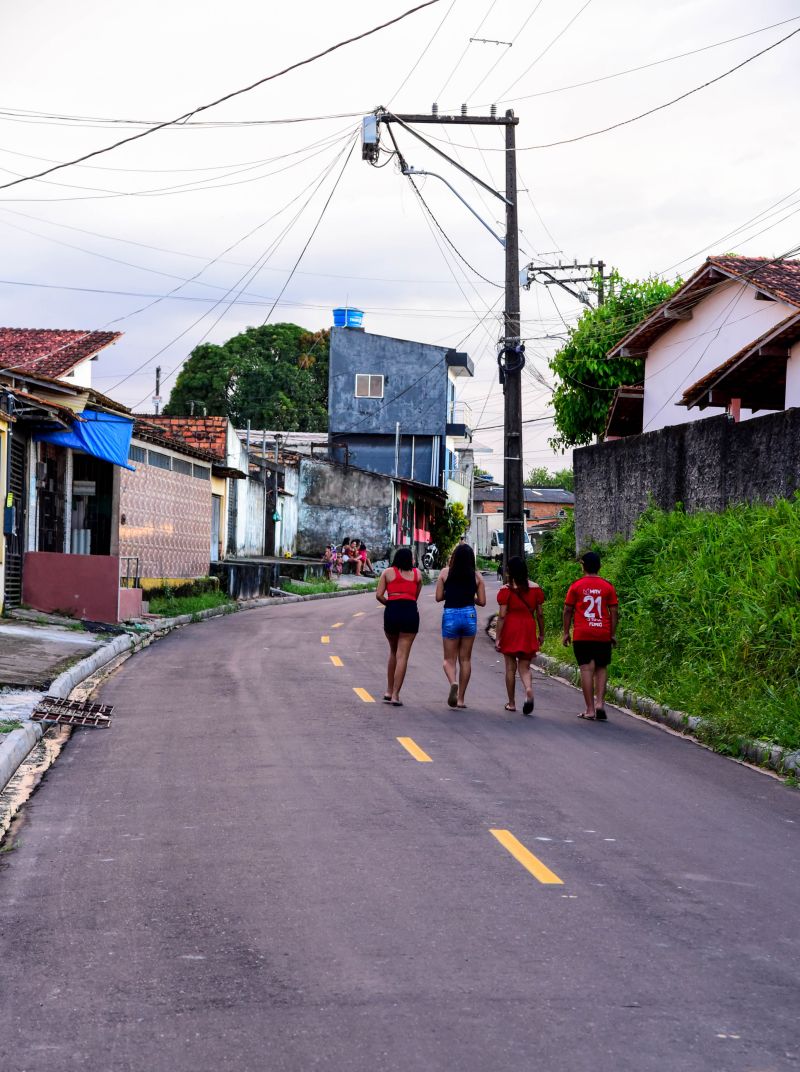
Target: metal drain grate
x,y
72,712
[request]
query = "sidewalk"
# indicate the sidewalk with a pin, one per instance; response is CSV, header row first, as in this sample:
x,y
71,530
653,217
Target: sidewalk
x,y
31,656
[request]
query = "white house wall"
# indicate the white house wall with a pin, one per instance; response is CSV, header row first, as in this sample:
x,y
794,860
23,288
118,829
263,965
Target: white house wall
x,y
793,377
724,322
255,513
289,510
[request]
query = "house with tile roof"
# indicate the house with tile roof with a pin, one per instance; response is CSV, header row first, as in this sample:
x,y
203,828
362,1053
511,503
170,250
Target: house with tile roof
x,y
55,353
728,340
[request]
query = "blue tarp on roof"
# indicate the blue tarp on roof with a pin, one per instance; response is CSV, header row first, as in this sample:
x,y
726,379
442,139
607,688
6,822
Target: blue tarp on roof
x,y
103,435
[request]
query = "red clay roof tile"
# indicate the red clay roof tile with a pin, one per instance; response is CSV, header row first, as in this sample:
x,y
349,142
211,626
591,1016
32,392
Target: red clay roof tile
x,y
49,352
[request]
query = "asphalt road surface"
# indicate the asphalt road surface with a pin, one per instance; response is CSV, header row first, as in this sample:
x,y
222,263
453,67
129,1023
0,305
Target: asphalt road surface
x,y
250,871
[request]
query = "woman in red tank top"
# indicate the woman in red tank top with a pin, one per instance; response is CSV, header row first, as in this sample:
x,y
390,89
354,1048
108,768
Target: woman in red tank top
x,y
398,590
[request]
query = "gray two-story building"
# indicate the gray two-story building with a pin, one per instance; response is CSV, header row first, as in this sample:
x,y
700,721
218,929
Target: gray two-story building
x,y
393,408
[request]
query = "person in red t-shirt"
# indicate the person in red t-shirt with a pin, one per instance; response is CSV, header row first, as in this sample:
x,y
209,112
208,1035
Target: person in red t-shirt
x,y
591,611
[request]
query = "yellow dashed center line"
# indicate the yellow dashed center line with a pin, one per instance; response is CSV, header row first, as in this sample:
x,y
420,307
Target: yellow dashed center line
x,y
414,749
359,614
364,695
336,660
325,639
524,856
337,625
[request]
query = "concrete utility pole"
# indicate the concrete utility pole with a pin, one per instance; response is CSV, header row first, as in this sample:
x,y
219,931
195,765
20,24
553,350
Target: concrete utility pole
x,y
157,395
511,356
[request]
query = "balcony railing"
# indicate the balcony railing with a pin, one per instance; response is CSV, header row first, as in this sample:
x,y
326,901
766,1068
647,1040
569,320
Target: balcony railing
x,y
459,413
458,475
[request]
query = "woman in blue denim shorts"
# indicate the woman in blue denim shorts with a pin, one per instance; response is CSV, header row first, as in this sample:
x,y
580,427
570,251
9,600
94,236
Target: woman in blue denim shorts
x,y
460,587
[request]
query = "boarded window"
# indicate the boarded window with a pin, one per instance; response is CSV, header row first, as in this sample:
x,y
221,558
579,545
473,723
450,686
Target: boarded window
x,y
180,465
369,386
137,454
159,460
201,472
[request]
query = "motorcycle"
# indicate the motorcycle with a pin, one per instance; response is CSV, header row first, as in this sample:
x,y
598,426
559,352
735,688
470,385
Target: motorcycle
x,y
429,557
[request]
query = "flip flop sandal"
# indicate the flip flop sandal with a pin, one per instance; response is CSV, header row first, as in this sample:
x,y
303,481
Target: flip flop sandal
x,y
452,696
387,698
509,707
396,703
527,707
600,714
589,718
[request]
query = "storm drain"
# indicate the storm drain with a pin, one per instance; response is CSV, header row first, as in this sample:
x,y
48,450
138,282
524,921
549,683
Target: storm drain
x,y
72,712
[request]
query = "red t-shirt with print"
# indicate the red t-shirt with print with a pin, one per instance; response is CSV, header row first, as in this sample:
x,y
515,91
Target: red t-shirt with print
x,y
591,598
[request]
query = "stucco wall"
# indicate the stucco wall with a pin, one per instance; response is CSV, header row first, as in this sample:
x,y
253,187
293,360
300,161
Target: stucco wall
x,y
255,512
706,465
336,501
167,522
288,509
725,321
421,410
793,377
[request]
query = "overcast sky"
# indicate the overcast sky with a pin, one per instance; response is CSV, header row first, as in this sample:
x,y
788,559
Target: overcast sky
x,y
655,196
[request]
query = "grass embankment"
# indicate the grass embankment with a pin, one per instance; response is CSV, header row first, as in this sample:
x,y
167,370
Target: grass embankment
x,y
171,606
307,588
709,615
6,726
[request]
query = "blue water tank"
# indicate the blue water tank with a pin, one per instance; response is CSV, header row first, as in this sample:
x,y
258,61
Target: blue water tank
x,y
348,318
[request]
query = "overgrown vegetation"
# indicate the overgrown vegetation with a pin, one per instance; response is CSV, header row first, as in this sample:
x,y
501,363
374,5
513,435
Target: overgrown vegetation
x,y
172,605
6,726
709,615
447,529
307,588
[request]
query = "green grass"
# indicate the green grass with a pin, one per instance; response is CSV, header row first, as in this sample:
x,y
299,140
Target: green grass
x,y
171,606
8,726
709,615
307,588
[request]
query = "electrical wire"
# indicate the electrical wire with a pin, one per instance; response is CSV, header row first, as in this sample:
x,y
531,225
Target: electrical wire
x,y
424,51
544,51
460,59
220,100
501,57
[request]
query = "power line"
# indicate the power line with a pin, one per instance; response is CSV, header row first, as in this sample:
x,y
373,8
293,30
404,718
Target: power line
x,y
458,62
424,51
502,57
544,51
220,100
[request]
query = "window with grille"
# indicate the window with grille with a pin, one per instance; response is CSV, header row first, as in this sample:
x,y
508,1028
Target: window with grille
x,y
201,472
137,454
180,465
369,386
159,460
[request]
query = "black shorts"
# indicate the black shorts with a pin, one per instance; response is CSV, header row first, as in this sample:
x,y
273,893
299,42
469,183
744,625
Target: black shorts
x,y
596,651
401,616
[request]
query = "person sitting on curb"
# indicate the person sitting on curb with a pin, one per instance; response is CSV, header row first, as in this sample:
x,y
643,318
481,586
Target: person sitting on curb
x,y
591,611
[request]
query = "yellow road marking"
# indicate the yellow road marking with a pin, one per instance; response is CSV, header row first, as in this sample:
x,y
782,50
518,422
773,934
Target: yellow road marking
x,y
526,858
415,750
336,660
325,639
359,614
364,695
336,625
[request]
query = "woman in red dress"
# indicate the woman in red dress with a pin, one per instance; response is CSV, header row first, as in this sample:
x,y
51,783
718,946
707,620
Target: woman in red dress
x,y
520,619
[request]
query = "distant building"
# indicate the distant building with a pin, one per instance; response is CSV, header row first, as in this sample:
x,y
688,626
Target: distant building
x,y
393,409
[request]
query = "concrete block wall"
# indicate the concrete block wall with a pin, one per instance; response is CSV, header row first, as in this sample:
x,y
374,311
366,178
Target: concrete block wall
x,y
706,465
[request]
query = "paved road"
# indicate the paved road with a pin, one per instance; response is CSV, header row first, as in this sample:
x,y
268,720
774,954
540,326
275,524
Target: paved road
x,y
249,872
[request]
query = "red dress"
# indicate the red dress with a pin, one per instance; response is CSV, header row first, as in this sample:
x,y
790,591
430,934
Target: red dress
x,y
519,635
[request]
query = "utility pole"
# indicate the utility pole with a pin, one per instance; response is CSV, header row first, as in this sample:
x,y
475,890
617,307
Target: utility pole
x,y
511,356
513,360
157,395
562,275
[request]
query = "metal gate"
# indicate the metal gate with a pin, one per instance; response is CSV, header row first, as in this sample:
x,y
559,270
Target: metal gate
x,y
15,542
216,515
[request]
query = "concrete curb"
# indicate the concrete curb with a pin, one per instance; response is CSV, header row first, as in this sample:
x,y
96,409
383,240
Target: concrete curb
x,y
772,756
15,746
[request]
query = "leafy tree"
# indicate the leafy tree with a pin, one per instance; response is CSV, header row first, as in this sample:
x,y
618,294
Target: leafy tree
x,y
447,528
540,477
276,376
482,474
586,378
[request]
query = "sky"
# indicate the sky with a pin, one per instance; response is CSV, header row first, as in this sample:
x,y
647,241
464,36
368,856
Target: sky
x,y
197,231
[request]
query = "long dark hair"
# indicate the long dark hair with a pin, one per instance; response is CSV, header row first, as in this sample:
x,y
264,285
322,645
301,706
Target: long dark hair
x,y
403,559
462,565
517,572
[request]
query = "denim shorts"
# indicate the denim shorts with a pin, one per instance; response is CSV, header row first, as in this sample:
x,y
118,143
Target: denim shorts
x,y
459,622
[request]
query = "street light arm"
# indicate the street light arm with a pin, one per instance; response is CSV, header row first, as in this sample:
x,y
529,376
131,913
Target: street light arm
x,y
407,170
